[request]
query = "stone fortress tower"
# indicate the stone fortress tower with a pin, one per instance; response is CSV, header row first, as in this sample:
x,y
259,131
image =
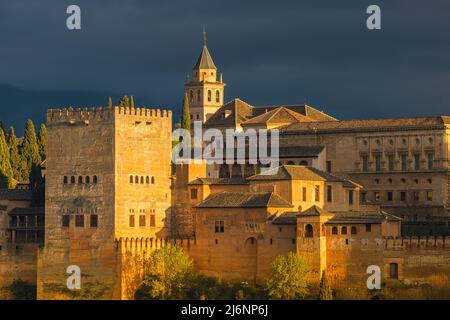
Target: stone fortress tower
x,y
108,178
204,91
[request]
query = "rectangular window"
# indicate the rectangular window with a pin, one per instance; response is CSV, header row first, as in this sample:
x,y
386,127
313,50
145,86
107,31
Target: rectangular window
x,y
329,194
429,195
417,161
391,164
390,196
152,220
368,227
404,161
317,193
79,220
376,196
430,160
403,196
219,226
304,193
142,221
131,221
193,193
94,221
350,196
328,166
363,196
365,163
378,162
65,221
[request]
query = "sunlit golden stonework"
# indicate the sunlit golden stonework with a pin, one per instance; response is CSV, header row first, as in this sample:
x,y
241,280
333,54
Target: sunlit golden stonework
x,y
348,194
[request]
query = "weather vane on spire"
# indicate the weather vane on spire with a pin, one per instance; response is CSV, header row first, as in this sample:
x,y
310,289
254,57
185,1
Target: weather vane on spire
x,y
204,36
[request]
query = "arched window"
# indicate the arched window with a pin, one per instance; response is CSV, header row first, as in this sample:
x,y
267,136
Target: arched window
x,y
199,98
191,96
65,179
303,163
80,180
153,180
209,95
88,179
344,230
147,180
95,179
217,96
353,230
309,231
136,179
131,179
72,180
142,180
334,230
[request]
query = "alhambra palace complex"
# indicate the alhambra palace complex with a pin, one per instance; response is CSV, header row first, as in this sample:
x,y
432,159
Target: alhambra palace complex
x,y
348,194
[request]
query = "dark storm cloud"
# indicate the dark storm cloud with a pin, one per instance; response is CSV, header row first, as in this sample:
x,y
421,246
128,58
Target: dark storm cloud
x,y
269,52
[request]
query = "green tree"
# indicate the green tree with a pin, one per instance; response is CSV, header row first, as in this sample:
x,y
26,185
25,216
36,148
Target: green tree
x,y
168,274
287,278
325,293
30,149
124,102
42,141
2,127
5,163
185,115
14,157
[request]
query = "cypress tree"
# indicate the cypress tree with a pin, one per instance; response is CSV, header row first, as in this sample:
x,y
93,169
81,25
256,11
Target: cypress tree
x,y
30,150
2,127
132,102
14,157
110,103
5,164
185,115
325,293
42,141
124,102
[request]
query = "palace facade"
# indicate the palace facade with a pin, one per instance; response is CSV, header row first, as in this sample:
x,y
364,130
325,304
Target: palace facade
x,y
347,194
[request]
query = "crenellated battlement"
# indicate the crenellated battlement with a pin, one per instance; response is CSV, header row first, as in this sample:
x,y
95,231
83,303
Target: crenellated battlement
x,y
145,244
101,114
417,243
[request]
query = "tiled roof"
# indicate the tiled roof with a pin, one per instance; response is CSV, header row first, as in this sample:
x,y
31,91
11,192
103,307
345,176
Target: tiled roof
x,y
241,112
300,151
286,218
362,217
244,200
294,172
209,181
15,194
278,115
35,211
367,125
314,211
204,60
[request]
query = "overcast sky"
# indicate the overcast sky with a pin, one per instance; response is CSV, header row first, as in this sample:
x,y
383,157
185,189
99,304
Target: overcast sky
x,y
270,52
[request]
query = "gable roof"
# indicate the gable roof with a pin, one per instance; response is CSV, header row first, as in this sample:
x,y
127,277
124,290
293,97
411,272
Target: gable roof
x,y
218,181
294,172
205,60
358,217
367,125
286,218
15,194
244,200
278,115
314,211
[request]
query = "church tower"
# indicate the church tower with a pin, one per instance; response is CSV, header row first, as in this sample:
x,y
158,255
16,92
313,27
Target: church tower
x,y
204,91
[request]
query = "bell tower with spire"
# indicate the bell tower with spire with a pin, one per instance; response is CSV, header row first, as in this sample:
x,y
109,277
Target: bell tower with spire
x,y
204,91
